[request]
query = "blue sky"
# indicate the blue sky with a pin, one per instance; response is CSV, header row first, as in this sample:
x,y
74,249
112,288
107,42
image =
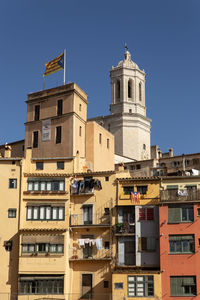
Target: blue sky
x,y
163,38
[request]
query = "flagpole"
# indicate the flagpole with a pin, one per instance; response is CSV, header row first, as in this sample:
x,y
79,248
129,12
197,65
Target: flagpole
x,y
43,83
64,66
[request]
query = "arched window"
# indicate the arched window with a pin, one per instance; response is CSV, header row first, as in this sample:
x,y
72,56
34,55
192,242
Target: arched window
x,y
140,91
118,89
129,89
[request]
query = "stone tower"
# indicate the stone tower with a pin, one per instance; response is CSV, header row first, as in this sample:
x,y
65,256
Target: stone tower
x,y
128,121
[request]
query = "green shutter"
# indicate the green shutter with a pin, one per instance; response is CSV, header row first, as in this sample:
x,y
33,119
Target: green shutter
x,y
188,280
174,214
176,286
181,237
172,187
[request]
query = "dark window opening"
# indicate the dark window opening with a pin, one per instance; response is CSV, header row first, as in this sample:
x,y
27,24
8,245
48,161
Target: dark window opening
x,y
106,284
12,213
12,183
86,286
35,139
59,107
39,165
58,134
60,165
107,245
37,112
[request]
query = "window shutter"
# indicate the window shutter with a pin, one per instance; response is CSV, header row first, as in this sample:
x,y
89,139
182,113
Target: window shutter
x,y
141,214
174,214
144,243
120,215
121,252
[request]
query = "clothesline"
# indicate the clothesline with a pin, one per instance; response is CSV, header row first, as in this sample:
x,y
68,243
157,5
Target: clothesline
x,y
97,242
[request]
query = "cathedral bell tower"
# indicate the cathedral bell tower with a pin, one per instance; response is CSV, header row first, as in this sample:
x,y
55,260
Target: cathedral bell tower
x,y
129,123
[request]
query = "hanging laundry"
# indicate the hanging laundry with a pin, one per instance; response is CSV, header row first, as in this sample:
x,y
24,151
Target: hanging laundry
x,y
99,244
98,184
81,242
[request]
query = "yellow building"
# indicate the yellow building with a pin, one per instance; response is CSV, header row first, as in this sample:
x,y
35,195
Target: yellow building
x,y
10,178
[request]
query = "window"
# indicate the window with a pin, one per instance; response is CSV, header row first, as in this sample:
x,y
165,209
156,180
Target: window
x,y
37,112
108,143
79,107
12,212
140,91
106,284
144,146
39,165
146,244
142,189
118,285
8,245
138,167
178,214
86,286
106,210
58,134
60,165
41,284
118,89
198,212
181,244
140,286
42,247
45,212
130,111
35,139
129,89
12,183
146,214
128,190
36,184
59,107
191,187
100,138
107,178
80,130
87,214
107,245
183,285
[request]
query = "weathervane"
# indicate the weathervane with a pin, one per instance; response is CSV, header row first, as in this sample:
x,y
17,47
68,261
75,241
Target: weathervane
x,y
126,47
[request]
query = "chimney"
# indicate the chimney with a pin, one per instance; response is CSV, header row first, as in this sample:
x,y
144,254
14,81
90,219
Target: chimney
x,y
171,152
7,152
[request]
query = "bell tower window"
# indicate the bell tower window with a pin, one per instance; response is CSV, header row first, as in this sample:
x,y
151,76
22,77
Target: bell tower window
x,y
140,91
129,89
118,89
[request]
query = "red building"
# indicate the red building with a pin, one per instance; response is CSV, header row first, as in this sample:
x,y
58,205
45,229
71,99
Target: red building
x,y
179,217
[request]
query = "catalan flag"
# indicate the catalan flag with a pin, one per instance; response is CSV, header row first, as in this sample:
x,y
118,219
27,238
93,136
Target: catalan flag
x,y
54,65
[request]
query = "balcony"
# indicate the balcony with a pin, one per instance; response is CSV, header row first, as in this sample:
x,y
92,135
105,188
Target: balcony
x,y
179,195
124,229
102,219
85,187
89,253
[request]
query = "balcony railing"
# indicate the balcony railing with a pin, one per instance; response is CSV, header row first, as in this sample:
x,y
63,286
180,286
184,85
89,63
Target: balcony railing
x,y
99,219
124,228
180,195
91,254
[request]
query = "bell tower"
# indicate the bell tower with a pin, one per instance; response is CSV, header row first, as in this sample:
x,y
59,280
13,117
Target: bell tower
x,y
129,125
127,121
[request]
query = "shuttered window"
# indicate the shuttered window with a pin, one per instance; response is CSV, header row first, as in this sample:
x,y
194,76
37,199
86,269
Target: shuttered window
x,y
146,214
178,214
181,244
183,285
146,244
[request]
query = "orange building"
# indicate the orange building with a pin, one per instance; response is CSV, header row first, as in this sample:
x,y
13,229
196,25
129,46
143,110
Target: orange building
x,y
179,238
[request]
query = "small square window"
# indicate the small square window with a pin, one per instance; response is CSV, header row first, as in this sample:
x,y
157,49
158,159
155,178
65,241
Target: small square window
x,y
118,285
107,178
106,284
13,162
60,165
106,211
12,212
8,245
39,165
107,245
12,183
